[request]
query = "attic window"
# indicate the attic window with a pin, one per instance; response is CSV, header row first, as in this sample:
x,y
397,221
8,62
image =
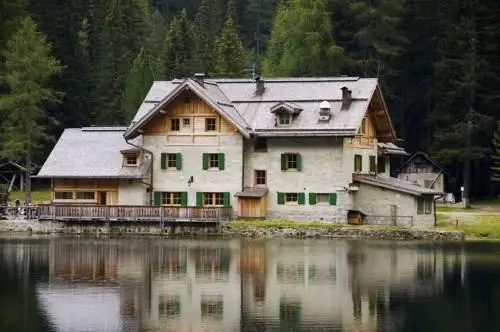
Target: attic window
x,y
130,160
284,119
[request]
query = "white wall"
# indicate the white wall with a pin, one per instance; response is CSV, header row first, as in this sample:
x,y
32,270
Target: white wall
x,y
132,192
228,180
322,166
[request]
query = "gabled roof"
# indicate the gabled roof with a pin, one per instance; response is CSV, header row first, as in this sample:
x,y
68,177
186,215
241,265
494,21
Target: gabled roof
x,y
391,149
290,108
425,156
210,93
395,184
90,152
251,112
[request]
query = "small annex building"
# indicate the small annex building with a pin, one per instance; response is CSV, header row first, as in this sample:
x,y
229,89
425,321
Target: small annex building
x,y
275,148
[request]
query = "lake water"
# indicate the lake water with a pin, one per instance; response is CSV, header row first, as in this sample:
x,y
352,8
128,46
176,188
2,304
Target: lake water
x,y
71,284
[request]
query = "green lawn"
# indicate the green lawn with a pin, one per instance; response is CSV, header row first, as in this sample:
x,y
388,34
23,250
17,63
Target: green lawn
x,y
454,209
37,197
483,227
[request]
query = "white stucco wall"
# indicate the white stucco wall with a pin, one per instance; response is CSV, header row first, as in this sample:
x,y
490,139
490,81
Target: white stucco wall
x,y
322,172
132,192
228,180
376,203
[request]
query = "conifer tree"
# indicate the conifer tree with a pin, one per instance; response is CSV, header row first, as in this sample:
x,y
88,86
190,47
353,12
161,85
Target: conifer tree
x,y
28,68
154,47
10,14
301,42
179,47
495,156
137,84
230,57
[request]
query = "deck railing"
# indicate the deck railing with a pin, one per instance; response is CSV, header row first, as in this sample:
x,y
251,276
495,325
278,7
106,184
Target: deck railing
x,y
132,213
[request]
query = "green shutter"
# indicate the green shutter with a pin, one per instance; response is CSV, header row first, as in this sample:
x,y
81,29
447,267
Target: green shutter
x,y
283,162
178,160
373,164
281,198
157,198
301,198
299,162
358,159
199,199
205,161
333,199
312,198
184,198
221,161
163,161
226,199
381,164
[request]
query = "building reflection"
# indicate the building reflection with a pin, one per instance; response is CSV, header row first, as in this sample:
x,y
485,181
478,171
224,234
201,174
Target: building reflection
x,y
233,285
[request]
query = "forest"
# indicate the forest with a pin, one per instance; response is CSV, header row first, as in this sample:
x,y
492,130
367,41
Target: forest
x,y
73,63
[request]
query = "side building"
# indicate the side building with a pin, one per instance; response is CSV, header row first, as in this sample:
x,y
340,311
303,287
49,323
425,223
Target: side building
x,y
294,148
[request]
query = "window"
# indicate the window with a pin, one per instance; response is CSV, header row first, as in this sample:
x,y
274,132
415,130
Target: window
x,y
63,195
213,199
210,124
186,122
323,198
358,163
171,160
373,164
175,124
362,129
260,145
212,307
260,177
291,161
85,195
424,205
169,305
284,119
171,198
131,160
213,161
291,197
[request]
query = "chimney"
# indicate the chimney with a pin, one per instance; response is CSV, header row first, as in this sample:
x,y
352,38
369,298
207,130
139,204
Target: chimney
x,y
200,78
259,86
346,98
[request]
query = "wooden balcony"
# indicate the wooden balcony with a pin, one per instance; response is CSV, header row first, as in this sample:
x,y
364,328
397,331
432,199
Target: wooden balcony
x,y
127,213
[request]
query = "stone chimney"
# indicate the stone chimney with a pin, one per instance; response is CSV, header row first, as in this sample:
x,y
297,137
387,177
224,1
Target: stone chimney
x,y
346,98
259,86
200,78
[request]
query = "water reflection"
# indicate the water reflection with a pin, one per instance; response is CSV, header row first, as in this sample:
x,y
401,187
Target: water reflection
x,y
71,284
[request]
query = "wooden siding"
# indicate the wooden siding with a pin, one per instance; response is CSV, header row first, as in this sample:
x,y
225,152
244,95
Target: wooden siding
x,y
192,113
381,121
86,185
252,207
367,134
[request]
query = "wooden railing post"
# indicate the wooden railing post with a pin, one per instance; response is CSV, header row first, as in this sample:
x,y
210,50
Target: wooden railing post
x,y
80,211
162,210
106,215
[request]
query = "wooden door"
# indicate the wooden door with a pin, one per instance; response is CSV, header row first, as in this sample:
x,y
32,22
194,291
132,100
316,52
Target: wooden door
x,y
251,207
102,198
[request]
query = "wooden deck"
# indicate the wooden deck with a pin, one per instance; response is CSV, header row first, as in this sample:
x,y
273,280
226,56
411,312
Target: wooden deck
x,y
124,213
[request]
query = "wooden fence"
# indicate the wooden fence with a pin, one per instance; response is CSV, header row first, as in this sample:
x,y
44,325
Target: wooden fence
x,y
108,213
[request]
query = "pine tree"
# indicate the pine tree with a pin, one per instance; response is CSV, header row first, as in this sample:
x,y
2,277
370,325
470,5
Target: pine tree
x,y
230,57
28,68
154,47
207,24
179,48
137,84
10,13
495,156
301,42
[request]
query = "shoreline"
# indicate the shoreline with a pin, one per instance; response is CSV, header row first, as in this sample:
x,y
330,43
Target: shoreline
x,y
257,230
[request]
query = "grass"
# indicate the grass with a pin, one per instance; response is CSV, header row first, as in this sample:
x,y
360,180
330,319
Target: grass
x,y
483,227
37,197
300,224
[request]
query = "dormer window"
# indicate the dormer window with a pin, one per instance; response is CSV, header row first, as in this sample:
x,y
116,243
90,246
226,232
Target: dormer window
x,y
284,119
130,160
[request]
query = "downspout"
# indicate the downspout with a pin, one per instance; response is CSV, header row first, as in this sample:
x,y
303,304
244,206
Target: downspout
x,y
150,169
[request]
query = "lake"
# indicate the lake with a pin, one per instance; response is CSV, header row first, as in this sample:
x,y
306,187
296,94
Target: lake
x,y
74,284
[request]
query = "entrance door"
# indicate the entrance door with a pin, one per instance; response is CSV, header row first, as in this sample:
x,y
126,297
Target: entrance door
x,y
102,198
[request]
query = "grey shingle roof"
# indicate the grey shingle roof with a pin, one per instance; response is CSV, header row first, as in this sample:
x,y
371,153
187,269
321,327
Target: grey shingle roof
x,y
237,101
395,184
391,149
252,192
90,152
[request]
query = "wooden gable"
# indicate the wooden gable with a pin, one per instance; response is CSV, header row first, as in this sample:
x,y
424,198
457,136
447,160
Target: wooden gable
x,y
420,164
187,116
379,115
